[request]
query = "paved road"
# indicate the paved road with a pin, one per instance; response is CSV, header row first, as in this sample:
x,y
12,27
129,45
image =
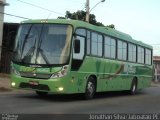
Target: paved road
x,y
146,101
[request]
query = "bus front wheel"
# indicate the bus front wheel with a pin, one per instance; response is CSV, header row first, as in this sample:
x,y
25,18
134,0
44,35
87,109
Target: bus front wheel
x,y
90,88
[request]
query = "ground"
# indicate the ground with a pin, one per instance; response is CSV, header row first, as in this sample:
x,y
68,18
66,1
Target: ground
x,y
27,102
5,82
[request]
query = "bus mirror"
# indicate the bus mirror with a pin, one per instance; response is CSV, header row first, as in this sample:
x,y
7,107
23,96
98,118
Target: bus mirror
x,y
76,46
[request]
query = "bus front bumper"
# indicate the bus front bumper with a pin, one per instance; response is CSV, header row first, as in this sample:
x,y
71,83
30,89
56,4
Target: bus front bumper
x,y
63,85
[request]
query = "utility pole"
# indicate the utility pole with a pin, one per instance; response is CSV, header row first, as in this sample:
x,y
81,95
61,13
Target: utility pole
x,y
87,10
2,5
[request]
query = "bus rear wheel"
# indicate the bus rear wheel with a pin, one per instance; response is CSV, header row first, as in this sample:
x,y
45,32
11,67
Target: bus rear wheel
x,y
90,88
133,89
40,93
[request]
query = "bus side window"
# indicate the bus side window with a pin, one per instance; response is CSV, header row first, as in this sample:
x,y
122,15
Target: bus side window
x,y
140,55
148,55
96,44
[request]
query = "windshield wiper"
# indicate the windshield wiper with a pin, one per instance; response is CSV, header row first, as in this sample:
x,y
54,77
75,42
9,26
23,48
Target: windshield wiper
x,y
43,55
30,51
39,51
25,39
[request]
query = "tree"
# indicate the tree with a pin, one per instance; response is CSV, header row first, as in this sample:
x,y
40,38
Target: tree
x,y
81,15
111,26
61,17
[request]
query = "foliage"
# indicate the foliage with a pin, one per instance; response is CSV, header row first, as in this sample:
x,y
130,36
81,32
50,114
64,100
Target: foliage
x,y
111,26
81,15
61,18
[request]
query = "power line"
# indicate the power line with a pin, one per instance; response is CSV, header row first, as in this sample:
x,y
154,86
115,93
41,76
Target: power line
x,y
40,7
14,15
155,44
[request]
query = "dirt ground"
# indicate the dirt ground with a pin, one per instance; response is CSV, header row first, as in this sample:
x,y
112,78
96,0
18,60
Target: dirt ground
x,y
5,82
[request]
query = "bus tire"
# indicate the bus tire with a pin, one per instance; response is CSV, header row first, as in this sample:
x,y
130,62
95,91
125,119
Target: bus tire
x,y
90,88
133,89
40,93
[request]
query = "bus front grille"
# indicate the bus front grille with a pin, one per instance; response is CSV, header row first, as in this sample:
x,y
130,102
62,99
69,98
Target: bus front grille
x,y
37,87
37,75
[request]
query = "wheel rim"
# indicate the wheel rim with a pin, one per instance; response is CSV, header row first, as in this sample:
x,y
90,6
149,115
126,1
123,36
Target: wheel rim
x,y
134,88
90,88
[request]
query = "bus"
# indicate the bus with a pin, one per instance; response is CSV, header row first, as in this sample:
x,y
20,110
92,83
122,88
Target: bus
x,y
70,57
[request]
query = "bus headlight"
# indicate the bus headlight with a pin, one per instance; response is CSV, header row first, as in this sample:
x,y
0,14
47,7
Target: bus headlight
x,y
60,88
13,84
61,73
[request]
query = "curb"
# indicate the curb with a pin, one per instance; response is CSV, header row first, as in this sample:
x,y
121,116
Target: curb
x,y
155,84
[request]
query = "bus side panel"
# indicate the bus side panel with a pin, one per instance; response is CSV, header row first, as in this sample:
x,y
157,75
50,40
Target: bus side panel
x,y
107,72
113,75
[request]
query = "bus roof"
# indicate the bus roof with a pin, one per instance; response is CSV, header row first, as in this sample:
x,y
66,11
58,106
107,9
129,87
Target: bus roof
x,y
105,30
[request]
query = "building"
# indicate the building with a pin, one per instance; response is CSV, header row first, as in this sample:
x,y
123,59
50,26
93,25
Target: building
x,y
156,62
9,33
2,5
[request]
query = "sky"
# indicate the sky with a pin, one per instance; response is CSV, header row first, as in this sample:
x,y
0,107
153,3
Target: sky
x,y
138,18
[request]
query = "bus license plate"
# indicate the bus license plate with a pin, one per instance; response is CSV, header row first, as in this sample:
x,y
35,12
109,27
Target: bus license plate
x,y
33,83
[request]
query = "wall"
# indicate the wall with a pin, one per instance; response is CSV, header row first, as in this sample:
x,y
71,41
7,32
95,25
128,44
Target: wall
x,y
156,61
2,4
9,33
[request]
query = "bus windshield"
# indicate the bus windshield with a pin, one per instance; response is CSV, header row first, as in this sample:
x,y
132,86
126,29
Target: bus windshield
x,y
42,44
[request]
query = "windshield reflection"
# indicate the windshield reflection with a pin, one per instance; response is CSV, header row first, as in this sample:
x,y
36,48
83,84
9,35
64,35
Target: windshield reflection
x,y
43,44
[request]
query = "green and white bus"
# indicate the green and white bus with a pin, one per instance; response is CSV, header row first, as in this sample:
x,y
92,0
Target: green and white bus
x,y
71,56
